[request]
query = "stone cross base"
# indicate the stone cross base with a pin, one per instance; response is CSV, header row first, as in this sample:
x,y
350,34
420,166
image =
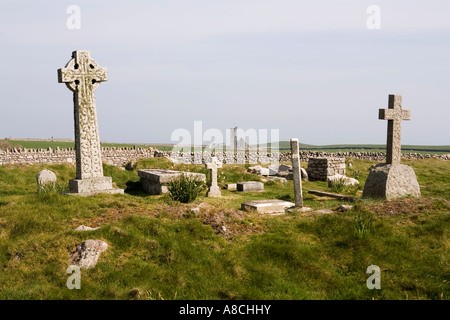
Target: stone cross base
x,y
391,181
214,192
86,187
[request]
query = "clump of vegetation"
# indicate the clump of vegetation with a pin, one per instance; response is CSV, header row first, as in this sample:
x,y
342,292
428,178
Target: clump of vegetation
x,y
185,188
57,187
342,186
363,223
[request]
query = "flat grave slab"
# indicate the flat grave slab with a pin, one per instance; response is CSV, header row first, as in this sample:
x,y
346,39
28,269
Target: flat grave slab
x,y
267,206
154,181
248,186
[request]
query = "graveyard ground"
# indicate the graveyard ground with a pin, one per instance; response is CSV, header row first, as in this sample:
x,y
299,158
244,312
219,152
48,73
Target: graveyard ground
x,y
159,249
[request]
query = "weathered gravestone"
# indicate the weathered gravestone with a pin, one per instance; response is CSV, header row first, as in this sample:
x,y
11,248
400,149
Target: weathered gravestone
x,y
155,181
46,178
214,190
82,75
297,176
392,180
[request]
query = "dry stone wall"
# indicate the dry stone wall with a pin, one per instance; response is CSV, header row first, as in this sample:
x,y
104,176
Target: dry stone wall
x,y
121,156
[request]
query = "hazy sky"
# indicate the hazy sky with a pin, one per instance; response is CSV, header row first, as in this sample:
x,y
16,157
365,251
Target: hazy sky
x,y
311,69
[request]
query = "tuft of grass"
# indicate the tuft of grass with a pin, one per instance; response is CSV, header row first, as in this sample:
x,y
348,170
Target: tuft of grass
x,y
363,223
58,187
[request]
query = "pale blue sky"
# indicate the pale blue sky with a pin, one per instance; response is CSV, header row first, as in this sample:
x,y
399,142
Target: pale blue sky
x,y
311,69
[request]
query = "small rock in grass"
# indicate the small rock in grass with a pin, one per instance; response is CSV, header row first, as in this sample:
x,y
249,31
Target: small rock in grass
x,y
87,253
345,207
85,228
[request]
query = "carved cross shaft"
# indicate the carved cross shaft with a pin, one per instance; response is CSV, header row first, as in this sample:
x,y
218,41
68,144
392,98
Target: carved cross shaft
x,y
82,75
214,190
395,114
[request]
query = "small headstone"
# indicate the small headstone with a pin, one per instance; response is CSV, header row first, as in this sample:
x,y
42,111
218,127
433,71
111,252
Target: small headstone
x,y
87,253
267,206
214,190
248,186
45,178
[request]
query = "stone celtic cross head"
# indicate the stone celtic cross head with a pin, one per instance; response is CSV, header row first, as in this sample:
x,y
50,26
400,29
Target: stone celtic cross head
x,y
82,72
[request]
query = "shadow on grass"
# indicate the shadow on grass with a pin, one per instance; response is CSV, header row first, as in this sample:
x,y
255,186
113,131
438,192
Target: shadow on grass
x,y
134,188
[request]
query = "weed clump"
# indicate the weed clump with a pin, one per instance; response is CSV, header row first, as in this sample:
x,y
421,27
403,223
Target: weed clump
x,y
185,188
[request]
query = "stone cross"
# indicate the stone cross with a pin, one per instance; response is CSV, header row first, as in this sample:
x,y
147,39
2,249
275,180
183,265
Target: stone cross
x,y
297,176
214,190
395,114
82,75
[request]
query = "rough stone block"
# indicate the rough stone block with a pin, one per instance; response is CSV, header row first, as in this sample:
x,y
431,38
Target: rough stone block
x,y
267,206
247,186
391,181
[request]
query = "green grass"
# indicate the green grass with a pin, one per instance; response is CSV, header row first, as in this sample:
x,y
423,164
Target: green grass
x,y
158,248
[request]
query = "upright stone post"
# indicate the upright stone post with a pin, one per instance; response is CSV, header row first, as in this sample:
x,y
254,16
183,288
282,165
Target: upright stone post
x,y
82,75
297,176
392,180
214,190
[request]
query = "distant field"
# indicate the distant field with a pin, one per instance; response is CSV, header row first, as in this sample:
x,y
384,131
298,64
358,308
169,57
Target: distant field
x,y
64,145
284,146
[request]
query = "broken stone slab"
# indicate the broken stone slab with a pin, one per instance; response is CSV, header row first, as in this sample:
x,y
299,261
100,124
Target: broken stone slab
x,y
277,179
391,181
340,178
255,169
248,186
87,253
302,209
155,181
231,186
86,228
323,211
332,195
267,206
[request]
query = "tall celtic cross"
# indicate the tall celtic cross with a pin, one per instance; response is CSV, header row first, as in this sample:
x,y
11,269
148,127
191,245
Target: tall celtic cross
x,y
214,190
395,114
82,75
